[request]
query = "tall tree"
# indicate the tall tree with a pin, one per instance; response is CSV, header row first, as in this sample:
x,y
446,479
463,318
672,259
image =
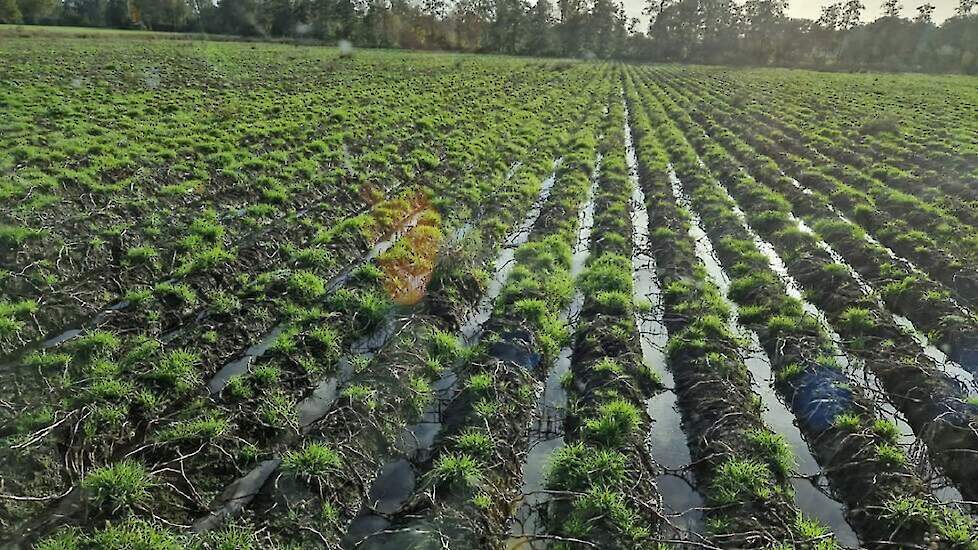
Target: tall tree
x,y
470,23
720,24
965,7
925,14
539,27
571,27
892,8
654,8
506,32
764,23
831,17
677,30
121,14
852,14
281,17
33,11
10,12
171,15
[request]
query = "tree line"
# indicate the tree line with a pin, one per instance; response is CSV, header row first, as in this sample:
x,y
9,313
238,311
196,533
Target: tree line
x,y
754,32
758,32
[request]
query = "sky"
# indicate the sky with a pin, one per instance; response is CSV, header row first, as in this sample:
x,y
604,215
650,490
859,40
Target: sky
x,y
810,9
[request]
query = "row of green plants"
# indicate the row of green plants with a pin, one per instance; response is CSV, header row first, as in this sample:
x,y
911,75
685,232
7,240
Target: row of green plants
x,y
742,468
923,233
175,394
891,127
887,502
321,501
899,283
934,404
146,400
603,477
202,228
474,469
329,151
906,290
928,152
396,387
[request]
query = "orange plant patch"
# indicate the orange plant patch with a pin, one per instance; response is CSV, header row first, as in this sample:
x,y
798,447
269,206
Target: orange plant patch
x,y
408,265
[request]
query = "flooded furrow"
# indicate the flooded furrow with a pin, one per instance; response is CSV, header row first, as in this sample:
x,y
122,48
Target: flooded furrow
x,y
546,432
505,262
90,323
242,364
811,496
953,369
316,405
397,479
942,488
666,441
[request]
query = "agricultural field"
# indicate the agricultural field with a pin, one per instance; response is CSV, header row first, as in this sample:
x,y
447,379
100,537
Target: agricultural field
x,y
271,296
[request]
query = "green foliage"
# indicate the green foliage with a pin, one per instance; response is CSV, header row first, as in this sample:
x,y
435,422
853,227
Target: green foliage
x,y
328,343
739,480
776,449
891,455
458,469
475,443
96,343
576,466
204,429
306,286
614,423
609,273
140,255
857,319
444,346
479,383
956,528
123,484
177,370
849,422
312,460
175,293
601,504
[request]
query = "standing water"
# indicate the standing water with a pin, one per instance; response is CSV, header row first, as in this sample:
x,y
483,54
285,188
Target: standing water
x,y
666,441
505,263
941,487
241,365
545,435
810,496
953,369
396,481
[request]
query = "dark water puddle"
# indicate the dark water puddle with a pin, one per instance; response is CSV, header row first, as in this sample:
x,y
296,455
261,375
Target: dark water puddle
x,y
316,405
96,321
236,496
810,496
242,364
397,480
61,338
243,490
939,485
